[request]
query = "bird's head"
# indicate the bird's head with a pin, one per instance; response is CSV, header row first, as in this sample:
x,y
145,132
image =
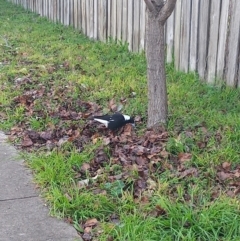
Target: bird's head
x,y
130,120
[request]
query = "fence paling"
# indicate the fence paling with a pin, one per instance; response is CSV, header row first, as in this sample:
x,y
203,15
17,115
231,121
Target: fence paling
x,y
213,39
169,32
233,45
194,36
124,20
202,35
222,39
177,33
130,25
185,36
142,25
119,20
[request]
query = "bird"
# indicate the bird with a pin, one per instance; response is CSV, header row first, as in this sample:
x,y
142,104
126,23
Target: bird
x,y
114,121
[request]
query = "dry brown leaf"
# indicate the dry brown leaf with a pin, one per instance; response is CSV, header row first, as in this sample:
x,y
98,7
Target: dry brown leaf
x,y
230,193
91,222
140,150
152,185
140,160
184,157
226,166
224,175
106,141
95,140
87,237
157,212
46,135
164,154
27,142
189,172
87,230
237,173
137,118
85,167
128,130
112,106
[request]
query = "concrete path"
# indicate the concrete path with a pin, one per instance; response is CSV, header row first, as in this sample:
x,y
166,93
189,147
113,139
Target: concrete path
x,y
23,215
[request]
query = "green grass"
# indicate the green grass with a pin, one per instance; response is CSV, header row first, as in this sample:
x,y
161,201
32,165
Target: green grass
x,y
203,120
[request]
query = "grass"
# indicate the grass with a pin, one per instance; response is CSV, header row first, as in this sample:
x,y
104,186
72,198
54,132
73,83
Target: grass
x,y
203,120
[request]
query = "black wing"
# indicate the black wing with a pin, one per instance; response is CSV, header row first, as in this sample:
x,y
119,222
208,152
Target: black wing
x,y
103,117
117,117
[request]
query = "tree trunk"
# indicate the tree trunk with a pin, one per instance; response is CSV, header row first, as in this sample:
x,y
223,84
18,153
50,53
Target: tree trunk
x,y
158,13
157,90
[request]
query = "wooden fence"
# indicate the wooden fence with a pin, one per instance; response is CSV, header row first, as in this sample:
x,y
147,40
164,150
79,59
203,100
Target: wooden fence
x,y
202,35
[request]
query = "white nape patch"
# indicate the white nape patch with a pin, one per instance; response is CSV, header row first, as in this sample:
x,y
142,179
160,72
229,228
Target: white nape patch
x,y
126,117
105,122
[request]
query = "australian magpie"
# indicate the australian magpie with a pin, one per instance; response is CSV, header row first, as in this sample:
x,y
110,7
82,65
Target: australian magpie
x,y
114,121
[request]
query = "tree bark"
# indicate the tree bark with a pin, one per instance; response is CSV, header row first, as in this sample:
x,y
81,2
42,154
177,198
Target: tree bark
x,y
157,91
158,12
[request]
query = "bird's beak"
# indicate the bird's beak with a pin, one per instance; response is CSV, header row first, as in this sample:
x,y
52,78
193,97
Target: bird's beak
x,y
133,124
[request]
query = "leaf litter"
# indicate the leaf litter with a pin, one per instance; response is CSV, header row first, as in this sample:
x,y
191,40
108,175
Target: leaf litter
x,y
135,161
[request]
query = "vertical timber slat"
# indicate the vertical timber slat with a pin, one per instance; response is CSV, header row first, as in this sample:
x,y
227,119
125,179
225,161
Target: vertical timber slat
x,y
124,29
213,40
95,20
130,25
136,25
233,45
169,38
177,33
194,36
203,37
119,20
222,41
142,25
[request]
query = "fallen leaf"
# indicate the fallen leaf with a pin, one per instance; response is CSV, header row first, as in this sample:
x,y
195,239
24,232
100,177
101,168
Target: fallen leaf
x,y
237,174
87,237
157,212
226,166
128,130
137,118
164,154
91,222
85,167
112,106
140,160
230,194
114,218
27,142
87,230
224,175
63,140
139,150
46,135
95,140
33,135
184,157
152,185
189,172
106,141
